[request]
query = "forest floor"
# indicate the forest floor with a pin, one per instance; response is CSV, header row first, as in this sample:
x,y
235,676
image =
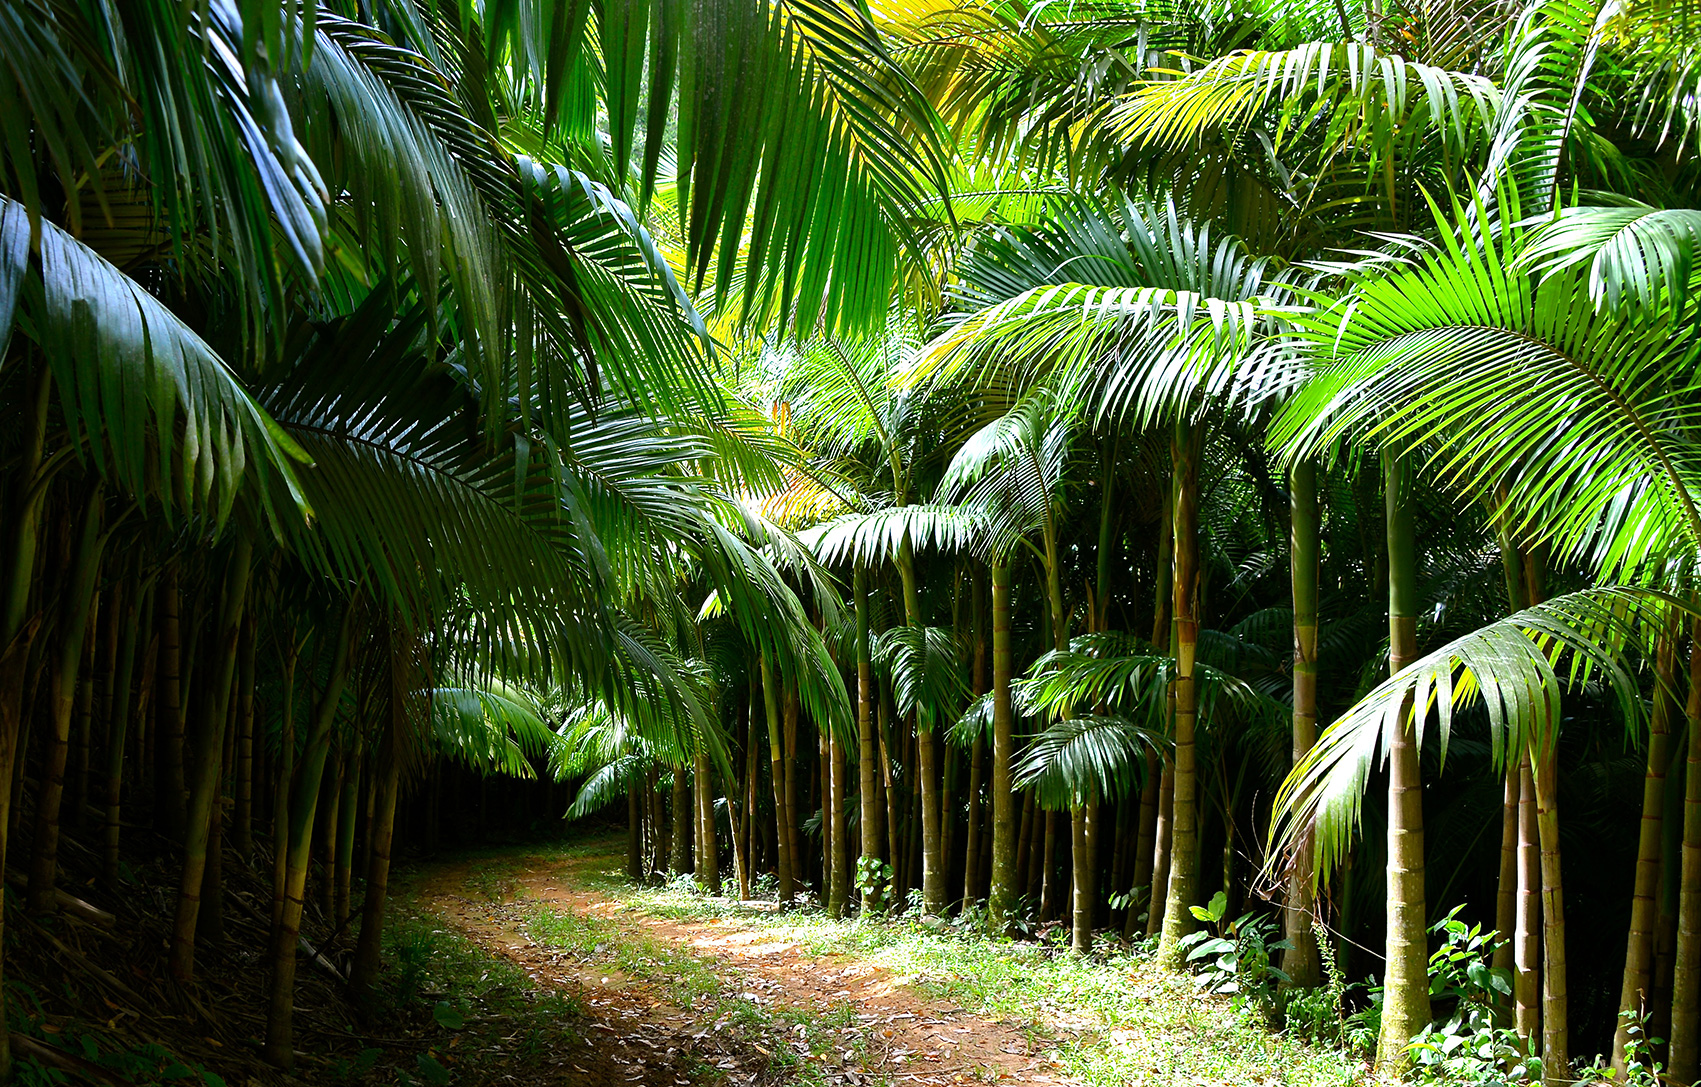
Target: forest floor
x,y
666,985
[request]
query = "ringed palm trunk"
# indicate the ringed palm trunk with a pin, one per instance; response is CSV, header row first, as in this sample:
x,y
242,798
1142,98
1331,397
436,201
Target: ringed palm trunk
x,y
1526,938
972,842
708,845
304,803
137,620
679,859
170,791
1685,1062
1405,987
777,770
1506,900
867,744
79,600
1001,898
284,776
839,895
933,866
244,836
1556,1042
209,752
1184,827
345,832
1636,989
366,952
1301,962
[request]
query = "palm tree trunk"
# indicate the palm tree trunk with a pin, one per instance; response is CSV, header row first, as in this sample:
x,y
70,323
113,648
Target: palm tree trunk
x,y
634,834
284,774
680,860
776,764
1636,989
708,843
1526,946
364,972
1405,1006
345,833
933,890
14,668
138,619
209,758
1301,963
78,602
1048,870
839,895
1161,850
1556,1047
1145,846
1506,901
244,837
171,792
1083,829
788,735
1184,826
1685,1054
867,743
972,835
1001,898
304,804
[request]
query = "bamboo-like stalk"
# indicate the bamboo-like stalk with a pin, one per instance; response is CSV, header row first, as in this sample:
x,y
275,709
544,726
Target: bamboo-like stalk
x,y
972,874
387,772
170,784
284,774
1301,962
1184,827
788,735
1556,1039
78,604
1637,984
303,805
679,859
708,843
1526,930
868,769
1405,986
777,770
839,895
243,839
136,620
1003,891
1684,1065
209,757
345,832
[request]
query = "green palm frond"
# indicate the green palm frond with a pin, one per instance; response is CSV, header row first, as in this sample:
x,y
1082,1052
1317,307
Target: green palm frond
x,y
492,728
1582,415
1085,760
926,669
152,404
1636,254
1517,668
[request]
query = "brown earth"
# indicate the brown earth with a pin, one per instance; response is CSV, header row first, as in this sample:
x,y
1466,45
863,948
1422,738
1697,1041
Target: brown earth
x,y
638,1035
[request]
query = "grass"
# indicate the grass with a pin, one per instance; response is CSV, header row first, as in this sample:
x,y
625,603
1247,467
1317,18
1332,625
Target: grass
x,y
1121,1020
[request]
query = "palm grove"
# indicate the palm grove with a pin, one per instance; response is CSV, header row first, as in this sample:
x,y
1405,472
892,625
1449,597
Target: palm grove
x,y
1020,463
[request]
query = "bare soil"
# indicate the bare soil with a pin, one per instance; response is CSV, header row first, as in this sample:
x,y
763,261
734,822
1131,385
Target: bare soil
x,y
636,1034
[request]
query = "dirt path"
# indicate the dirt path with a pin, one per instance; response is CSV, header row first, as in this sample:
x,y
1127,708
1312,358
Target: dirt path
x,y
888,1033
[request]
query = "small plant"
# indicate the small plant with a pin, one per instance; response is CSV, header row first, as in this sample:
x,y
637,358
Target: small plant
x,y
1468,1047
874,880
1319,1015
1233,958
1641,1069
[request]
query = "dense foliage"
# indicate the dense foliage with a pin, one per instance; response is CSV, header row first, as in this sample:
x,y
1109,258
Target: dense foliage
x,y
1123,460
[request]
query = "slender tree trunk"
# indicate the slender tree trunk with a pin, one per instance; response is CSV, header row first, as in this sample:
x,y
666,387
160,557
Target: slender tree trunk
x,y
1001,900
839,895
893,853
1145,847
972,836
284,776
346,822
171,791
680,861
933,876
1184,827
868,747
1301,963
1405,1007
14,668
83,718
708,844
280,1049
634,835
1685,1063
1161,849
1506,902
1083,824
1556,1047
1636,989
1526,938
776,764
78,603
244,837
1048,870
387,771
136,620
209,752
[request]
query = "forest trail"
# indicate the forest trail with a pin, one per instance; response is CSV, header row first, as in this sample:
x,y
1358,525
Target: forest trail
x,y
830,1019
